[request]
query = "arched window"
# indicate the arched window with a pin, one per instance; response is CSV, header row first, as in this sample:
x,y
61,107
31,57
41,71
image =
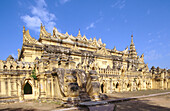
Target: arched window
x,y
138,84
27,88
128,85
5,67
11,67
17,67
29,67
117,85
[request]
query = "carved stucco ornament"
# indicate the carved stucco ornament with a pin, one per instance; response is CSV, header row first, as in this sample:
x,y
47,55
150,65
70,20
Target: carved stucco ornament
x,y
141,59
103,51
126,50
28,39
75,48
43,32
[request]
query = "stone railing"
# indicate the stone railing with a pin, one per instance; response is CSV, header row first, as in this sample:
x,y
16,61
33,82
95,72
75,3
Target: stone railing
x,y
135,73
4,71
116,72
109,71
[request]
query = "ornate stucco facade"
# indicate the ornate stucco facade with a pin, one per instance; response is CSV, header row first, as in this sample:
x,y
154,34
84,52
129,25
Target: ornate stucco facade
x,y
61,66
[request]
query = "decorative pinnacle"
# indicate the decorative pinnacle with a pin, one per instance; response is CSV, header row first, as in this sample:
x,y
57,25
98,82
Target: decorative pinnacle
x,y
23,29
79,34
132,39
41,26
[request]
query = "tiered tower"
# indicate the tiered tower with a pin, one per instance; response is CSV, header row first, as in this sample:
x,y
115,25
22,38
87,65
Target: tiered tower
x,y
132,51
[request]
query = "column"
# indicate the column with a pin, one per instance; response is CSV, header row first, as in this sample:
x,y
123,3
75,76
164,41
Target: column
x,y
0,86
9,85
6,87
20,91
45,86
111,86
3,88
52,86
131,86
15,87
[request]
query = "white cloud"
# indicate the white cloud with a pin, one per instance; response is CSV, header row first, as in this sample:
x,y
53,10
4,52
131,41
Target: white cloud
x,y
61,2
32,22
41,3
40,14
64,1
90,26
151,40
152,55
119,4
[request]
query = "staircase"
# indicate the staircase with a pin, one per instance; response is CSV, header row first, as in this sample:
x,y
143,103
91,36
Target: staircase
x,y
84,96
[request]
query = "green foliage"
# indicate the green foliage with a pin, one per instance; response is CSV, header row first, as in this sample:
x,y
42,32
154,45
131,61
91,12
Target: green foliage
x,y
34,74
135,79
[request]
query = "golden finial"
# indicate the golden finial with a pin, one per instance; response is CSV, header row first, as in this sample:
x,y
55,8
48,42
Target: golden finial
x,y
41,26
132,39
114,48
90,39
23,29
67,34
79,34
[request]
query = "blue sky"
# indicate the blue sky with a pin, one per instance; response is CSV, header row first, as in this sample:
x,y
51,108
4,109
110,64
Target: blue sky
x,y
111,20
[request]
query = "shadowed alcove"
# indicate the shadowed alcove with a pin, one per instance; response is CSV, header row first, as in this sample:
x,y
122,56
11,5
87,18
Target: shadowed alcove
x,y
27,88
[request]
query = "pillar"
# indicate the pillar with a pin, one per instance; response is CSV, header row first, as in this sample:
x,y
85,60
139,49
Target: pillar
x,y
14,86
52,87
9,85
20,91
111,85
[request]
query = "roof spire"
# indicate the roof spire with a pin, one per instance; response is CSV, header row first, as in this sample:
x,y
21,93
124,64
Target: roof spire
x,y
79,34
23,29
41,26
132,39
132,52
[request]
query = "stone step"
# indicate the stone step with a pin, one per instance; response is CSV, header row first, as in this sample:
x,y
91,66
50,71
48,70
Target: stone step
x,y
84,96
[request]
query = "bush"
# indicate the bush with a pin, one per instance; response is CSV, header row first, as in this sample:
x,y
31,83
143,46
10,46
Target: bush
x,y
34,74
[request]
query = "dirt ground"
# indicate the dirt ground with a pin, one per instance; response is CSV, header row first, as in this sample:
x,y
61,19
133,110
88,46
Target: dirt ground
x,y
29,106
134,93
158,103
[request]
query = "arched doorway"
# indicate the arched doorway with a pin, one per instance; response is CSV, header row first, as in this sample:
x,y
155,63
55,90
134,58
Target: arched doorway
x,y
129,87
27,88
117,89
117,85
139,86
102,88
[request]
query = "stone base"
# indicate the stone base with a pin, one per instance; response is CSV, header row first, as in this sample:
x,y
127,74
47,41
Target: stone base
x,y
96,98
71,100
